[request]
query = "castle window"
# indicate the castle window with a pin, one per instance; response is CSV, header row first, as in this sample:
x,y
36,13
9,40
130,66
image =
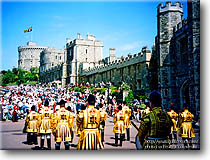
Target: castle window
x,y
60,57
166,92
139,83
56,57
86,59
184,50
86,51
52,64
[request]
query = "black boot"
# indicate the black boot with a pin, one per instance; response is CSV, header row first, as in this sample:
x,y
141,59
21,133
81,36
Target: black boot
x,y
121,139
128,134
57,146
116,139
42,143
102,135
67,145
29,139
49,143
35,139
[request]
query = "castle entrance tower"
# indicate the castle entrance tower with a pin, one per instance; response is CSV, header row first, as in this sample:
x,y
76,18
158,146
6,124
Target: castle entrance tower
x,y
168,16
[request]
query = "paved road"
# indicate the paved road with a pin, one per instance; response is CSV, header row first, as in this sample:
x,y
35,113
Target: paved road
x,y
13,138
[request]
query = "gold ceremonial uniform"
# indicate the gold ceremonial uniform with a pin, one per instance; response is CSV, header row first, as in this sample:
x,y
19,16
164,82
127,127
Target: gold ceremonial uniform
x,y
89,121
103,118
79,126
173,116
71,125
119,123
186,130
46,119
63,125
127,112
32,121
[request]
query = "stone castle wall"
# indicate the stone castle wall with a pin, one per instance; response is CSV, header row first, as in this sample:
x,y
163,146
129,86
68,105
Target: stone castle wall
x,y
178,48
132,69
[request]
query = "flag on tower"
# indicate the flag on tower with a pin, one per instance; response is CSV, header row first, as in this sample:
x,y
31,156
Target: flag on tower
x,y
28,30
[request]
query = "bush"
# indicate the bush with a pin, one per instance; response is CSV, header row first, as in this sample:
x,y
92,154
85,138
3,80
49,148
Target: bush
x,y
83,88
129,99
125,87
77,89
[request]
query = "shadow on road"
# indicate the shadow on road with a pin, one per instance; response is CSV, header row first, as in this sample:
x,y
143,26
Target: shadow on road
x,y
111,144
73,145
39,148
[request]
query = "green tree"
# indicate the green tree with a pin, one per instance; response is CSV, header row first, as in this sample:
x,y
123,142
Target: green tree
x,y
129,99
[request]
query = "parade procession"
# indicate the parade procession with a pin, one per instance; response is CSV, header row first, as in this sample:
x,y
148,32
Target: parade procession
x,y
133,86
59,119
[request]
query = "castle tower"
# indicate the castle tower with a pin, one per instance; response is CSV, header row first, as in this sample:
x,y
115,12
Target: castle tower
x,y
82,54
194,50
29,56
168,16
112,54
64,75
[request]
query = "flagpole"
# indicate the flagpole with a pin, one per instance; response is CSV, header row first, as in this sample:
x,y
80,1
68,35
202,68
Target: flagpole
x,y
31,36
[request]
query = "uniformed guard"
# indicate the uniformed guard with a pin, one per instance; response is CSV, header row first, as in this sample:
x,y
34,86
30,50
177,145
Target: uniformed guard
x,y
119,125
103,119
186,129
174,128
71,121
79,126
155,127
46,117
90,138
32,124
127,113
62,126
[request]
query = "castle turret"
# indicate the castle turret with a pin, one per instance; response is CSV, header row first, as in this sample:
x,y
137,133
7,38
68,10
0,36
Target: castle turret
x,y
168,16
112,54
29,56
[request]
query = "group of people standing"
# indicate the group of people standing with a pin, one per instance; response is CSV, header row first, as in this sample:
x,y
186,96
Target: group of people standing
x,y
53,112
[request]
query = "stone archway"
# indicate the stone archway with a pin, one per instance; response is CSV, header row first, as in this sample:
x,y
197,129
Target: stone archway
x,y
185,93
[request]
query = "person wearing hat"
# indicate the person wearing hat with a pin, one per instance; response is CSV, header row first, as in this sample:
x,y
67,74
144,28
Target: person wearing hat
x,y
46,117
71,121
127,112
186,129
90,119
32,126
79,126
155,127
62,126
174,128
119,125
103,119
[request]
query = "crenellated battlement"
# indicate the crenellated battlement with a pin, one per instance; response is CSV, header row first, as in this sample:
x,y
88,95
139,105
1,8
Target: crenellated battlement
x,y
143,56
180,26
169,6
53,69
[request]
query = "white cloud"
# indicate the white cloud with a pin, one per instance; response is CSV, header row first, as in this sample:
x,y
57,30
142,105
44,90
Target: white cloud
x,y
130,46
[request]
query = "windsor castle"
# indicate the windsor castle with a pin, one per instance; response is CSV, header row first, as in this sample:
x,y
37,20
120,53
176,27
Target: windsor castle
x,y
171,67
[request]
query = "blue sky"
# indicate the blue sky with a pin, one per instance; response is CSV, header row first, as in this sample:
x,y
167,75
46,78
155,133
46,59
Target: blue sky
x,y
125,26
